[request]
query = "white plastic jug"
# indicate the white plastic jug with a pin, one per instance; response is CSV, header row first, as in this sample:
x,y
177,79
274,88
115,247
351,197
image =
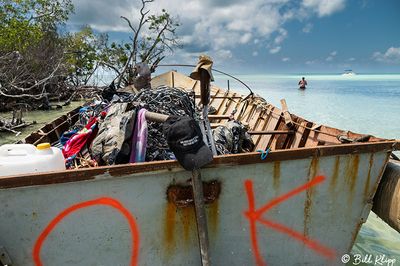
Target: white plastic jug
x,y
17,159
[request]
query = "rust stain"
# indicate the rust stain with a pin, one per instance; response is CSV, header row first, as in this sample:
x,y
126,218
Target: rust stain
x,y
182,195
335,174
188,221
366,188
351,173
313,170
277,174
213,217
169,226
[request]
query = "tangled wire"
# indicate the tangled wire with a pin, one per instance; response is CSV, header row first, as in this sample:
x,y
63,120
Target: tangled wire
x,y
168,101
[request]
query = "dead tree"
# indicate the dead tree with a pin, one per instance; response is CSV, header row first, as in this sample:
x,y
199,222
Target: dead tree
x,y
152,37
31,77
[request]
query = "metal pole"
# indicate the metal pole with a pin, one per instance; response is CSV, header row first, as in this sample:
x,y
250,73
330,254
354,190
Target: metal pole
x,y
197,185
201,218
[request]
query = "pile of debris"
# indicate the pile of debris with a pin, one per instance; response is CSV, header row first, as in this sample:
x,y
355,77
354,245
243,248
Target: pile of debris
x,y
116,131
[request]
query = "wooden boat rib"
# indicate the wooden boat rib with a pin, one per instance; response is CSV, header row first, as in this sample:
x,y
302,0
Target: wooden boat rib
x,y
304,203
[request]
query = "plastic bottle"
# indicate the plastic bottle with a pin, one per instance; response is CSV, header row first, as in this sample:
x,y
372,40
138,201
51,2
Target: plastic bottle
x,y
21,159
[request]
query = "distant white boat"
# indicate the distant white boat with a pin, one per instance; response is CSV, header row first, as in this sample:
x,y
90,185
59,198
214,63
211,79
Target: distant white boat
x,y
348,72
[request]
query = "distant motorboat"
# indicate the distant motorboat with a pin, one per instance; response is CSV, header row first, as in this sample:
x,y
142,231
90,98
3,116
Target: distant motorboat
x,y
348,72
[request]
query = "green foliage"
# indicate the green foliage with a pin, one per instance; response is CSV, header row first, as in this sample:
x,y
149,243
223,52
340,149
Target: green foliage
x,y
116,55
23,22
29,31
152,38
82,54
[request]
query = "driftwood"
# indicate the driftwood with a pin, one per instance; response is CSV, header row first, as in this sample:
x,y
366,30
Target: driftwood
x,y
15,123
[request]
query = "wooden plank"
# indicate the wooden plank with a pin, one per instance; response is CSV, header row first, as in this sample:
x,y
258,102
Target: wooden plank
x,y
263,142
299,133
221,97
273,121
290,138
253,123
214,102
286,114
261,127
218,116
312,139
277,142
230,106
274,132
274,125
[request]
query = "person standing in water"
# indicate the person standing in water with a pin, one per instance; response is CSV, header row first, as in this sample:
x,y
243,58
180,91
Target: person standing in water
x,y
302,83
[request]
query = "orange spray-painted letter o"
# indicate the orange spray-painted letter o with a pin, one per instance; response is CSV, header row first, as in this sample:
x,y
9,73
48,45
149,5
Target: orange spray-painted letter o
x,y
100,201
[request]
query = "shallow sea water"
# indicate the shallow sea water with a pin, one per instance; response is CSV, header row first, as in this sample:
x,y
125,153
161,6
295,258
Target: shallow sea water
x,y
368,104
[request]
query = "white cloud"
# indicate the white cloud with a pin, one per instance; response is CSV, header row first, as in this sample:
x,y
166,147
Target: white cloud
x,y
285,59
351,59
245,38
307,28
324,7
281,37
255,53
392,55
331,56
210,25
223,54
275,50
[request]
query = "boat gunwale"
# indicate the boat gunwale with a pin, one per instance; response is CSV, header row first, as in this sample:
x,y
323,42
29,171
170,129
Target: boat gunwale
x,y
106,172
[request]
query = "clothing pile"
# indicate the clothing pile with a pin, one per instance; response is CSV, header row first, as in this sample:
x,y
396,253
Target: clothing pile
x,y
117,132
232,137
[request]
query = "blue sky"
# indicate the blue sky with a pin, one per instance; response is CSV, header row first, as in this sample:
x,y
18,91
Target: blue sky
x,y
269,36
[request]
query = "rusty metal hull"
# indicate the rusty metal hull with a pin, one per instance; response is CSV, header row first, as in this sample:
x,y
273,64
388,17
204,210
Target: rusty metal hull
x,y
301,207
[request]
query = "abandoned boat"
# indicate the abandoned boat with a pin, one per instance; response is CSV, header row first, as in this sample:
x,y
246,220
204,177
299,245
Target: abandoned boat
x,y
302,204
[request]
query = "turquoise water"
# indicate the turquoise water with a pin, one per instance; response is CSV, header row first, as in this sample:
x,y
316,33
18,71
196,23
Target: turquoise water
x,y
41,118
368,104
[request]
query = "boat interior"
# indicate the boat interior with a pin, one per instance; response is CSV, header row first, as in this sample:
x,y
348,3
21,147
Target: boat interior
x,y
269,126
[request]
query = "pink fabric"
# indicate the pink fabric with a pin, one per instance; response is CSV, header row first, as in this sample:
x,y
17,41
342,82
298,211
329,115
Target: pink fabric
x,y
139,138
77,141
